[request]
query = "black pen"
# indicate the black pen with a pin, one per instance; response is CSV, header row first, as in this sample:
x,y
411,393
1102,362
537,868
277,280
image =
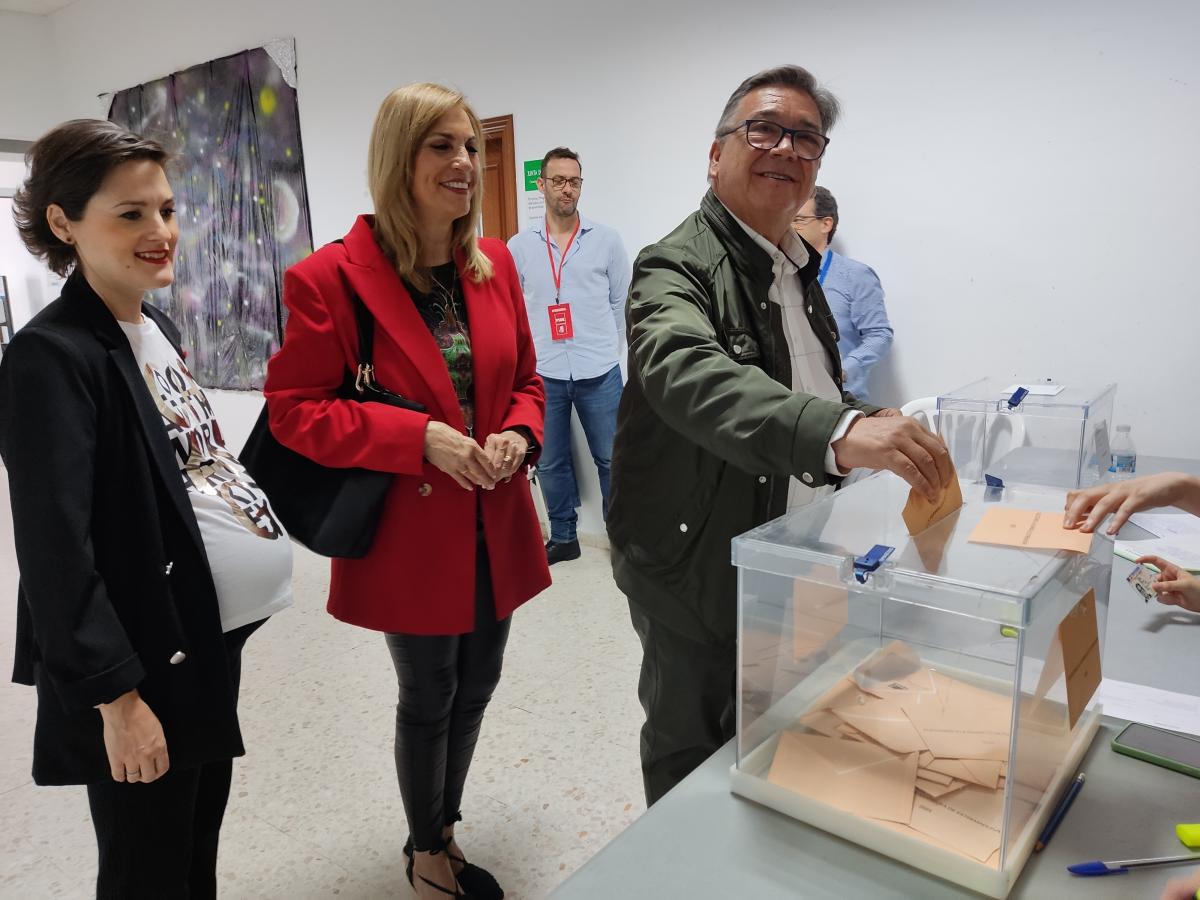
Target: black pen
x,y
1064,804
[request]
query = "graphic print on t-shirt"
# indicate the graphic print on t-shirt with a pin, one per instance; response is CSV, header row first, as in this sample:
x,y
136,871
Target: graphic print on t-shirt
x,y
206,466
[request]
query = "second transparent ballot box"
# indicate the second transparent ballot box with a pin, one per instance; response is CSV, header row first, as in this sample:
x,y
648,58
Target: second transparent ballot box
x,y
933,708
1056,434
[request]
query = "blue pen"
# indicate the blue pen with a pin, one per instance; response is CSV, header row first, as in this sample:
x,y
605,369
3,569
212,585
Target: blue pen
x,y
1061,810
1122,866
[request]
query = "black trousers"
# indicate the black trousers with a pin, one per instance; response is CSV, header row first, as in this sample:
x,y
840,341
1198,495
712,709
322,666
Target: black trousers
x,y
687,690
159,840
446,682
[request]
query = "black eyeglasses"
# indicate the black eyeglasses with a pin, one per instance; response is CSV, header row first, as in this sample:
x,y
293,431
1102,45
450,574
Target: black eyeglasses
x,y
559,182
809,218
764,135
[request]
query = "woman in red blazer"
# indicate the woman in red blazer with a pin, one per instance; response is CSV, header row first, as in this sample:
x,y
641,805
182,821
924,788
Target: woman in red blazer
x,y
458,546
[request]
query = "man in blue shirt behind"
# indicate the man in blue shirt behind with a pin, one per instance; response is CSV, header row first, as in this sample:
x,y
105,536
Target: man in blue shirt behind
x,y
575,275
854,293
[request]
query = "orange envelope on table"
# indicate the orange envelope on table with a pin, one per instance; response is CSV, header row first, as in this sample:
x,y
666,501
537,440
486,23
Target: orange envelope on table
x,y
1029,529
862,779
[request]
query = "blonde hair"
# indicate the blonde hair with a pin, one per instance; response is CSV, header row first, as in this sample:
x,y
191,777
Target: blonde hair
x,y
405,119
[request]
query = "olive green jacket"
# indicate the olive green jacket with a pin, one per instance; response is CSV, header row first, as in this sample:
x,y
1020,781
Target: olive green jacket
x,y
709,429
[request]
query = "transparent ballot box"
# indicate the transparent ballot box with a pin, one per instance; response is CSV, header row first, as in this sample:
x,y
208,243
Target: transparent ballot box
x,y
935,708
1056,435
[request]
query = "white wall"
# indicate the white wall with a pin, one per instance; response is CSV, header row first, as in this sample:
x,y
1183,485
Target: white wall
x,y
1021,175
29,95
30,103
30,284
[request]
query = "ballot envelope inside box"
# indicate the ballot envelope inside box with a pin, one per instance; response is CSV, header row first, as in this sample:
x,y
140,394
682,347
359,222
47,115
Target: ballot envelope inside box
x,y
1057,435
931,709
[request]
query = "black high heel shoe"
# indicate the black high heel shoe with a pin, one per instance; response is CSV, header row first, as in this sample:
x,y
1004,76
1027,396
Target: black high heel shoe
x,y
478,882
433,884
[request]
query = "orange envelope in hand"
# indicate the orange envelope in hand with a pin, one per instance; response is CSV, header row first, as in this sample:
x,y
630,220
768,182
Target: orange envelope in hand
x,y
919,513
862,779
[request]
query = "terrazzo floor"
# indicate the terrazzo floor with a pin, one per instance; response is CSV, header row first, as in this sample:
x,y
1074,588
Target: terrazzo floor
x,y
315,811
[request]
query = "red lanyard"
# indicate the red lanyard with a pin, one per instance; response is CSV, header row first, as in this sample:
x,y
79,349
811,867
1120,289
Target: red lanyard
x,y
557,274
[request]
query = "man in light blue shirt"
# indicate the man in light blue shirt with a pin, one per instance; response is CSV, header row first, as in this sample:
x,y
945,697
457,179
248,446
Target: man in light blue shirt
x,y
854,293
575,274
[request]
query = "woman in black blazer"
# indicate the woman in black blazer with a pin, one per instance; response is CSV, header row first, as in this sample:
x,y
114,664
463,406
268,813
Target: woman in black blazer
x,y
146,554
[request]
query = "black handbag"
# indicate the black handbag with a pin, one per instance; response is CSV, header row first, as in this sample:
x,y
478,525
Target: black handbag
x,y
331,511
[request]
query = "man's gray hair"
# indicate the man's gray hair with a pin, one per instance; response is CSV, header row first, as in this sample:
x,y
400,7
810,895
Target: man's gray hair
x,y
783,76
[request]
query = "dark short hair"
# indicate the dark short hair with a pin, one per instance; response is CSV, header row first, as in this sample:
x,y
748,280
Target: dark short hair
x,y
825,206
783,76
559,153
67,165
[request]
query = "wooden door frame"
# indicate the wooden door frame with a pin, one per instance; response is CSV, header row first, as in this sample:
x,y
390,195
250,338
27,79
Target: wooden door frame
x,y
502,127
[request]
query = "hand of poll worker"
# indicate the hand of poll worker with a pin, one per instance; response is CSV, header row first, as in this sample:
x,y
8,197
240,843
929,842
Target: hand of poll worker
x,y
134,740
1086,509
506,453
886,413
1174,586
898,444
458,456
1186,888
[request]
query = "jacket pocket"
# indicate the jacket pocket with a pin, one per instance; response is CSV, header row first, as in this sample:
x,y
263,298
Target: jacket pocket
x,y
743,345
671,544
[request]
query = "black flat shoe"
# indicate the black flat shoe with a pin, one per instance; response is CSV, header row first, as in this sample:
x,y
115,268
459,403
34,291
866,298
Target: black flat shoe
x,y
433,884
562,551
477,881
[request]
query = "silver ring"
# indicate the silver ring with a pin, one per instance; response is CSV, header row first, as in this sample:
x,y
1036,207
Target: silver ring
x,y
135,774
508,459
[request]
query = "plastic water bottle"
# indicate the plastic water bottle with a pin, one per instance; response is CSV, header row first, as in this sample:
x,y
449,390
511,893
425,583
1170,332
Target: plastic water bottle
x,y
1124,455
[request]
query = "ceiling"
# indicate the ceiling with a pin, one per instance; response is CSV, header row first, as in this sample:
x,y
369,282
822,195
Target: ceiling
x,y
36,7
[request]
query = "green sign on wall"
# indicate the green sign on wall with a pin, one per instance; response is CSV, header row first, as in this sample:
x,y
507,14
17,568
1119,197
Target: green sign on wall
x,y
533,168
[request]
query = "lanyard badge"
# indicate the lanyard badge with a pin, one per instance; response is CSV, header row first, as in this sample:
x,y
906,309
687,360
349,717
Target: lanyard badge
x,y
561,328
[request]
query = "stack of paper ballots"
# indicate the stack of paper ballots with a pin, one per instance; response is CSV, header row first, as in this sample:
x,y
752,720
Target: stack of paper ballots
x,y
908,746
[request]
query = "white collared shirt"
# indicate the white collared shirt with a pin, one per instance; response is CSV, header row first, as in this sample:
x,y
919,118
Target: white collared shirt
x,y
811,369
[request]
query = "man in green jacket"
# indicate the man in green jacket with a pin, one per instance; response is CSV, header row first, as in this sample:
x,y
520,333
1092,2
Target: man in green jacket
x,y
733,412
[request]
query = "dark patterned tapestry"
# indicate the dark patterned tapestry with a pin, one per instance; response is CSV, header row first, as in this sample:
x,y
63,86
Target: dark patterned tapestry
x,y
241,200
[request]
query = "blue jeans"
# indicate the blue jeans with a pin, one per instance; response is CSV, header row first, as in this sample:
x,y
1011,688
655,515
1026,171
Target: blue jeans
x,y
595,400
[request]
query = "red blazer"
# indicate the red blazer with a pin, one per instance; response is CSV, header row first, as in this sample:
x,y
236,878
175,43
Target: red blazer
x,y
419,576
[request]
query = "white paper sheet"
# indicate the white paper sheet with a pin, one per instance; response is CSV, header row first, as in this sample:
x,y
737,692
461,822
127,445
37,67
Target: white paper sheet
x,y
1183,550
1150,706
1167,524
1037,389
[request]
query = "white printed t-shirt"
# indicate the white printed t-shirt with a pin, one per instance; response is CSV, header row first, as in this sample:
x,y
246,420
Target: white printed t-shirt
x,y
249,553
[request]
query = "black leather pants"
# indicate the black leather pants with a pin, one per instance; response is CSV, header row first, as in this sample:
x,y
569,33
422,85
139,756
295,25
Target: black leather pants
x,y
446,682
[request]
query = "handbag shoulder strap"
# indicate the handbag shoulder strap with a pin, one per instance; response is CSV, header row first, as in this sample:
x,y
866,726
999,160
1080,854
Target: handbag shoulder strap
x,y
365,322
365,374
366,331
